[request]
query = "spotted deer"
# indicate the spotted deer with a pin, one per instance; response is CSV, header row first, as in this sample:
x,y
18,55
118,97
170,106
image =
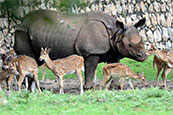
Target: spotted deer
x,y
5,73
25,65
163,59
7,57
56,62
70,64
114,70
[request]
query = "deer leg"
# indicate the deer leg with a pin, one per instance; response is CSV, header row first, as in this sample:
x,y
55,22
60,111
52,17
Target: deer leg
x,y
95,76
44,71
104,81
79,76
130,83
26,83
37,82
20,80
9,80
15,82
157,77
108,83
122,83
164,77
61,91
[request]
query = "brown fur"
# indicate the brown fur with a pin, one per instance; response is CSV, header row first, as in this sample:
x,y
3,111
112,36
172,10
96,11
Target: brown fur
x,y
119,70
70,64
26,65
162,59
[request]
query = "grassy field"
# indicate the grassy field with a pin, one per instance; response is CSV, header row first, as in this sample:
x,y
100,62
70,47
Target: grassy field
x,y
146,101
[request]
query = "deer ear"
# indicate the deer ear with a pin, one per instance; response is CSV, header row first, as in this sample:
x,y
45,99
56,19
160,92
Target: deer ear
x,y
142,74
138,74
42,49
48,50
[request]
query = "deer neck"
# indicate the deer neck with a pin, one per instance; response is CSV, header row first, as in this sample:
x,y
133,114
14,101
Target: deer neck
x,y
134,76
49,63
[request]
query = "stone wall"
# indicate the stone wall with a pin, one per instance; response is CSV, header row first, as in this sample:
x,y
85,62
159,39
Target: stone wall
x,y
158,14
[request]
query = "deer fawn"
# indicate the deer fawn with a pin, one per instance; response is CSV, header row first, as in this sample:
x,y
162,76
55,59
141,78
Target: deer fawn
x,y
25,65
7,58
162,59
70,64
111,71
4,74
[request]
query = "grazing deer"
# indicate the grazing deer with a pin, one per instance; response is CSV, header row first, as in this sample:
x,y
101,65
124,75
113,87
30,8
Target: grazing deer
x,y
70,64
163,60
111,71
25,65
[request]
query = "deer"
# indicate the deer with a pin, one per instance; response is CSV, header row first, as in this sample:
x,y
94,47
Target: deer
x,y
6,56
4,74
114,70
67,65
163,59
56,62
25,66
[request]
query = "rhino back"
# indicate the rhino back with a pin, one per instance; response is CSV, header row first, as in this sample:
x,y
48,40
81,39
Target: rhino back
x,y
53,29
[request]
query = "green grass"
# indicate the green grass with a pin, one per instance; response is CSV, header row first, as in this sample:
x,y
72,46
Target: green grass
x,y
146,67
151,101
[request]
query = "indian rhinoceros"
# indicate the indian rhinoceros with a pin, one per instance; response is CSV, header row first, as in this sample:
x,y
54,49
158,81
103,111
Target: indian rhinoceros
x,y
95,35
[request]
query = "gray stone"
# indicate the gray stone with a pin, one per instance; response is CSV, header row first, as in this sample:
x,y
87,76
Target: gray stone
x,y
163,7
169,19
165,35
156,6
150,36
143,8
153,19
163,21
168,45
157,36
130,8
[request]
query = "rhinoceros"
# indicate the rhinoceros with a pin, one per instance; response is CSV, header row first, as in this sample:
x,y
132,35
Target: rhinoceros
x,y
95,35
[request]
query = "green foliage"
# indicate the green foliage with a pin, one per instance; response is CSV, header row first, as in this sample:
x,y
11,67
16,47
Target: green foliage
x,y
150,101
70,5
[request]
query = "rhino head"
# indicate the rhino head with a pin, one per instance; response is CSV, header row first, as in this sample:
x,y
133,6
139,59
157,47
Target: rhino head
x,y
128,41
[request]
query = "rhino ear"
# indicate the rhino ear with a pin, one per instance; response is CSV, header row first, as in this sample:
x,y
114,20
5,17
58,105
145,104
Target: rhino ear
x,y
140,23
119,24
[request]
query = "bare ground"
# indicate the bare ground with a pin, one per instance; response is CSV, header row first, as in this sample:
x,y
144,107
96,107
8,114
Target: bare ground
x,y
72,86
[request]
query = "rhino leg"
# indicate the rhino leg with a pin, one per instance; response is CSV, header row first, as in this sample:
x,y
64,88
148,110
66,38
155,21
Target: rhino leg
x,y
90,66
22,44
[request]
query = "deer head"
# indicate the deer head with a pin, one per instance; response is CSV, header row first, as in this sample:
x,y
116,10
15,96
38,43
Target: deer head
x,y
44,54
142,78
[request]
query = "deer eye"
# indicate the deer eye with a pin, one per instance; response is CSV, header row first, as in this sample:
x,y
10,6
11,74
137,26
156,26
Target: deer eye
x,y
130,45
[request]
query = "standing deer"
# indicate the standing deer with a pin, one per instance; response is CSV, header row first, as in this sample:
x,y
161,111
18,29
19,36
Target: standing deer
x,y
114,70
163,60
5,73
70,64
25,65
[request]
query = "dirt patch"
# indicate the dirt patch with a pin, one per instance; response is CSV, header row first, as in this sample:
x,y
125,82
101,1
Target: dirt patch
x,y
72,86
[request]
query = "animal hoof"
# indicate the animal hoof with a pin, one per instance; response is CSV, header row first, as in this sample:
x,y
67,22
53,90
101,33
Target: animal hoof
x,y
88,86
